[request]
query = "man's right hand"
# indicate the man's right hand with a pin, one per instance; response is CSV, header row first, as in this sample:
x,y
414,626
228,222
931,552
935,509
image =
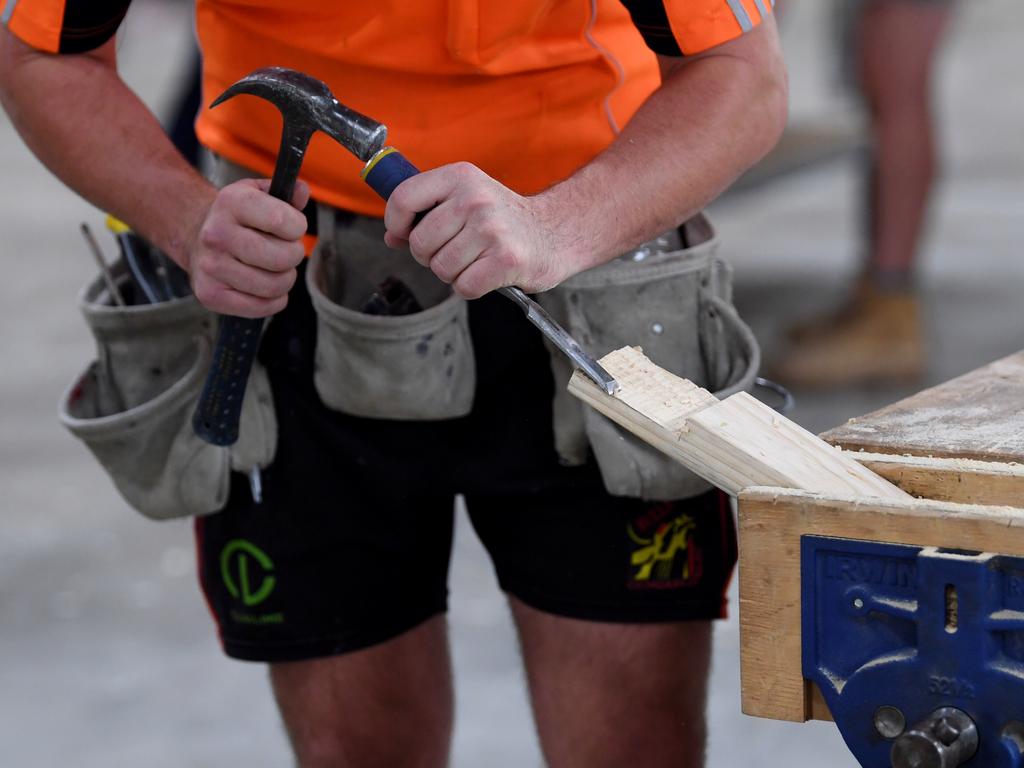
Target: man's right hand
x,y
243,256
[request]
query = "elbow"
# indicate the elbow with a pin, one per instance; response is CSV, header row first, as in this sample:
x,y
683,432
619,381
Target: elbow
x,y
774,102
767,101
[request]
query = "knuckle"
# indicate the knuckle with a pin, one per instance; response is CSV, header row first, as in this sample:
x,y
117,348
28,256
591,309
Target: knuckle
x,y
507,259
297,222
297,253
278,257
285,222
205,292
214,235
280,284
399,200
491,230
274,221
472,204
461,206
441,271
289,280
464,169
419,253
468,288
235,194
419,241
204,263
482,203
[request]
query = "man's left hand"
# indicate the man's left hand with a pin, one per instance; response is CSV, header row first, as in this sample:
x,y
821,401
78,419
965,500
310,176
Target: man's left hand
x,y
477,234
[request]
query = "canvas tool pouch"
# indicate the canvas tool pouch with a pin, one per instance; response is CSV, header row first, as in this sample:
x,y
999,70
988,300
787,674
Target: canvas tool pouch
x,y
677,305
416,366
133,405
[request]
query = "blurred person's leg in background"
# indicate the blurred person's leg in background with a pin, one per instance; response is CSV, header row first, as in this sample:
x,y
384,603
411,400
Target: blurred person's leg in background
x,y
877,336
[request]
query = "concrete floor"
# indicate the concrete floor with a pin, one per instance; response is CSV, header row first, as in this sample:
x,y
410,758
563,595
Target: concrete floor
x,y
108,654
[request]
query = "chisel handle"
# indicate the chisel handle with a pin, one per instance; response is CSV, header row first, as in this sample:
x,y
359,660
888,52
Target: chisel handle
x,y
386,170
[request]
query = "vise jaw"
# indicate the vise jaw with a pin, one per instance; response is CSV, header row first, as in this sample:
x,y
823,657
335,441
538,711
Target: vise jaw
x,y
918,651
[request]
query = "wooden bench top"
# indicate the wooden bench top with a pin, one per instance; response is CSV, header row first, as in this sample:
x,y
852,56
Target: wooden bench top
x,y
979,415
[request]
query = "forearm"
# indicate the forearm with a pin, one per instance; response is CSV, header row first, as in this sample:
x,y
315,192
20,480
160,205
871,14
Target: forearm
x,y
712,118
87,126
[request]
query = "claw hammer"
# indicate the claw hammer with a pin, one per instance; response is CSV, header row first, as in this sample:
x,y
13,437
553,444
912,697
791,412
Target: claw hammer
x,y
307,105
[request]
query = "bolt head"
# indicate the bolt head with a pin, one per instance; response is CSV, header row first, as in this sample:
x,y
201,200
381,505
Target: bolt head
x,y
890,722
946,731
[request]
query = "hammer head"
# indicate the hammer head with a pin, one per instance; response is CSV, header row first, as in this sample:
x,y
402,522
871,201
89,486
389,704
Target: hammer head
x,y
307,104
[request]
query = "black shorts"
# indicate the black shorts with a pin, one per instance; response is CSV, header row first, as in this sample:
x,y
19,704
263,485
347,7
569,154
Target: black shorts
x,y
350,546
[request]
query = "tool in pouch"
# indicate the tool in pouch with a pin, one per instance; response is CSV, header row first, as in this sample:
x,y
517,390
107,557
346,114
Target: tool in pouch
x,y
154,276
156,279
307,105
131,405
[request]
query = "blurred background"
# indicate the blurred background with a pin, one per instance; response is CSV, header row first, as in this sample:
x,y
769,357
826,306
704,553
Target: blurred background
x,y
107,654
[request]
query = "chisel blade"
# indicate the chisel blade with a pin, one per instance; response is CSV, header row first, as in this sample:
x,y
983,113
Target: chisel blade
x,y
558,336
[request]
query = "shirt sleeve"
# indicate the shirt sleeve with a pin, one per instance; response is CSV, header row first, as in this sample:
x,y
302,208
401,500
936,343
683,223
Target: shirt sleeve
x,y
686,27
63,26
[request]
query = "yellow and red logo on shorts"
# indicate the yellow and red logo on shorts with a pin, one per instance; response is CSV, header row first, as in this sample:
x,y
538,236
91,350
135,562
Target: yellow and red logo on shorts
x,y
664,553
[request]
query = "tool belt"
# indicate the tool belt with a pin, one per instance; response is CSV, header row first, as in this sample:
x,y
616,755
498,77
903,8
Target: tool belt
x,y
673,298
132,406
408,358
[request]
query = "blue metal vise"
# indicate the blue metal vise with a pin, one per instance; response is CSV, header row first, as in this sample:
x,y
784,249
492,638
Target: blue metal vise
x,y
918,651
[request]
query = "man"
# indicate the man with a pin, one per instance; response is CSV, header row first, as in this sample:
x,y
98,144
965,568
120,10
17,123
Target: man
x,y
876,336
576,155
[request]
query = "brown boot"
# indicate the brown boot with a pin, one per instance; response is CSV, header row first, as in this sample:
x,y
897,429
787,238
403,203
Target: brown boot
x,y
879,340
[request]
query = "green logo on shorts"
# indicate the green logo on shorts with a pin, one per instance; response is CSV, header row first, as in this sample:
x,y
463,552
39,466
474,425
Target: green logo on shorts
x,y
245,569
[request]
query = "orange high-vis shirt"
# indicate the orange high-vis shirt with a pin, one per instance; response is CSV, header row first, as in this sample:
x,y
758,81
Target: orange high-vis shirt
x,y
528,90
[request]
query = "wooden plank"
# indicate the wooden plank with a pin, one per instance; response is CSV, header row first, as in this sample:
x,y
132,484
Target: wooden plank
x,y
979,415
734,444
772,520
742,426
967,481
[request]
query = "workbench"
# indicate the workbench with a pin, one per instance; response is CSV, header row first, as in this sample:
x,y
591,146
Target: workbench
x,y
896,617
